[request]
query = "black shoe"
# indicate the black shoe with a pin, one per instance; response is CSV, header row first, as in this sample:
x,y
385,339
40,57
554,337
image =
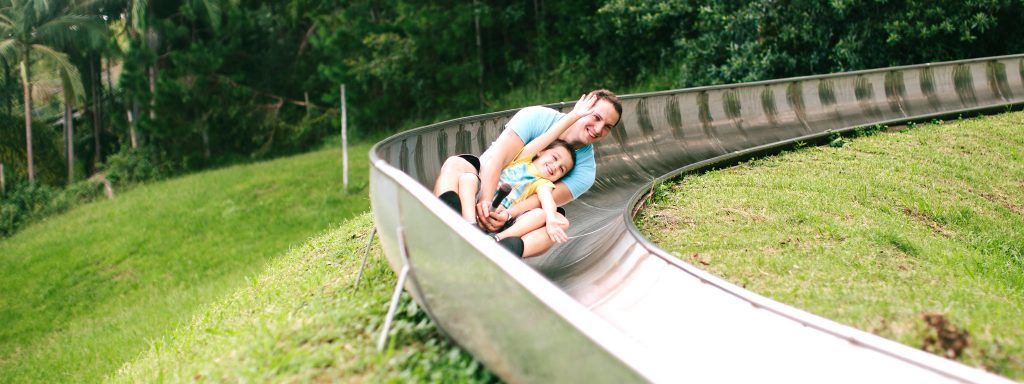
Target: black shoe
x,y
452,200
513,244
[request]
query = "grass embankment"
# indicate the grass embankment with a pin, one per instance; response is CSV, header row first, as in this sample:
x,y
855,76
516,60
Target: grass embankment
x,y
85,291
886,234
303,320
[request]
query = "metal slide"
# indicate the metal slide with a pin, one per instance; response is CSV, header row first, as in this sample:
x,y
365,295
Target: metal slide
x,y
609,306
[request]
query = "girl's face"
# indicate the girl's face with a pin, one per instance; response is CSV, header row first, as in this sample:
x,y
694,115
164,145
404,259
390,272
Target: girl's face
x,y
553,163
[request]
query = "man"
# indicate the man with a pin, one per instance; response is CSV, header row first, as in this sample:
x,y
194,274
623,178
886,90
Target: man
x,y
526,125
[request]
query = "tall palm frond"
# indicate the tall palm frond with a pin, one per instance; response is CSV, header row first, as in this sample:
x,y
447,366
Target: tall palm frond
x,y
9,50
138,11
64,66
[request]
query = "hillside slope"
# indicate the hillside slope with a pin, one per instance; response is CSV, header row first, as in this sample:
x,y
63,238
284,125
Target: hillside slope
x,y
302,319
914,235
84,291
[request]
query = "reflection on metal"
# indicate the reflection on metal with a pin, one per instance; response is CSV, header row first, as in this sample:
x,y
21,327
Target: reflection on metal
x,y
927,81
866,97
895,91
964,82
826,93
609,306
674,118
768,105
996,75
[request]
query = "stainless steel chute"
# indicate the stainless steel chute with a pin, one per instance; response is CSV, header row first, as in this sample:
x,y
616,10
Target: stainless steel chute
x,y
609,306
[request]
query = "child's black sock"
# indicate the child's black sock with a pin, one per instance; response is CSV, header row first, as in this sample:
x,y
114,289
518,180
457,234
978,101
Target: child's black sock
x,y
513,244
452,200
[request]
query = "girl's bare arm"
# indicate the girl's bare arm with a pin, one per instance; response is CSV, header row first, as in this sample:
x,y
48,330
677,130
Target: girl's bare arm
x,y
582,108
554,222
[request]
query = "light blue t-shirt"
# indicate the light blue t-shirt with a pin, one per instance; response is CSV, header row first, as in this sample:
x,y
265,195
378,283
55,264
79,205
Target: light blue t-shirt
x,y
531,122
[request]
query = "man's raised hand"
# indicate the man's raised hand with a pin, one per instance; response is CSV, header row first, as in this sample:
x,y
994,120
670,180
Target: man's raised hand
x,y
585,105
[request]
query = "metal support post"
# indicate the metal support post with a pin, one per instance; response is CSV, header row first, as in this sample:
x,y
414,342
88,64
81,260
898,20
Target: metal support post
x,y
366,255
344,139
395,297
392,308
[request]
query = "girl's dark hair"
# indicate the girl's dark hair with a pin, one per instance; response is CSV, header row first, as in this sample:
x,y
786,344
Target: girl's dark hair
x,y
560,143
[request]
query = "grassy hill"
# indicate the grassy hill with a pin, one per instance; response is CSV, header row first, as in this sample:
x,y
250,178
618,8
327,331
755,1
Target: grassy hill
x,y
83,292
914,235
303,320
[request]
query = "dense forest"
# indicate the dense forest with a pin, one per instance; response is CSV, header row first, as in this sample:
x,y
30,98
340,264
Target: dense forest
x,y
134,90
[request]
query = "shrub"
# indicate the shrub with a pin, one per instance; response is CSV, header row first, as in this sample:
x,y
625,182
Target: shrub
x,y
131,166
26,203
21,203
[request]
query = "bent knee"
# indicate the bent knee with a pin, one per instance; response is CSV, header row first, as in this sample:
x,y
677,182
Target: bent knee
x,y
468,178
457,164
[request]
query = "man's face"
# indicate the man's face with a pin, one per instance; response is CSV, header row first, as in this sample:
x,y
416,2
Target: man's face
x,y
594,127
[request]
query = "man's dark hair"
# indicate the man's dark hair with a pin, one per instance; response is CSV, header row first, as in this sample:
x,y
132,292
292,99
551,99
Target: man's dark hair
x,y
560,143
604,94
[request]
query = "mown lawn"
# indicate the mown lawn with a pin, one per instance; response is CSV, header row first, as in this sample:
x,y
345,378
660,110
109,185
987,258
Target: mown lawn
x,y
886,233
83,292
303,320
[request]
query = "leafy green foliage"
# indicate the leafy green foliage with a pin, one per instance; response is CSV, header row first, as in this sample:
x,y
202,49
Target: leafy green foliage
x,y
835,140
433,358
868,130
222,90
39,29
661,190
22,202
721,42
134,166
215,82
401,61
46,144
26,203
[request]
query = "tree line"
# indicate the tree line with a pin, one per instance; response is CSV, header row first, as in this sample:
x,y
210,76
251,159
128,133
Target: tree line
x,y
143,88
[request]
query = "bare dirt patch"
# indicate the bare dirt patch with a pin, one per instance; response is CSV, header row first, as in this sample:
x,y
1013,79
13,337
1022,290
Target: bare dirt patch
x,y
697,258
668,217
943,337
124,275
1000,198
925,219
751,216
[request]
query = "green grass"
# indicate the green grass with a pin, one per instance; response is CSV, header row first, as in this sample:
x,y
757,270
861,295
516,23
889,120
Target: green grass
x,y
878,233
87,290
302,320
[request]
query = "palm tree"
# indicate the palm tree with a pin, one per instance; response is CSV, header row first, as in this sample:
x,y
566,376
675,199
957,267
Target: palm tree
x,y
37,29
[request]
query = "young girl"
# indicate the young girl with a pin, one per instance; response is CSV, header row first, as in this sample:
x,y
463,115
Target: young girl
x,y
528,176
533,170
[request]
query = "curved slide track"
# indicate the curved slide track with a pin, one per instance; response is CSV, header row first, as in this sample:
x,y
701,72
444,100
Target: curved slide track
x,y
610,306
